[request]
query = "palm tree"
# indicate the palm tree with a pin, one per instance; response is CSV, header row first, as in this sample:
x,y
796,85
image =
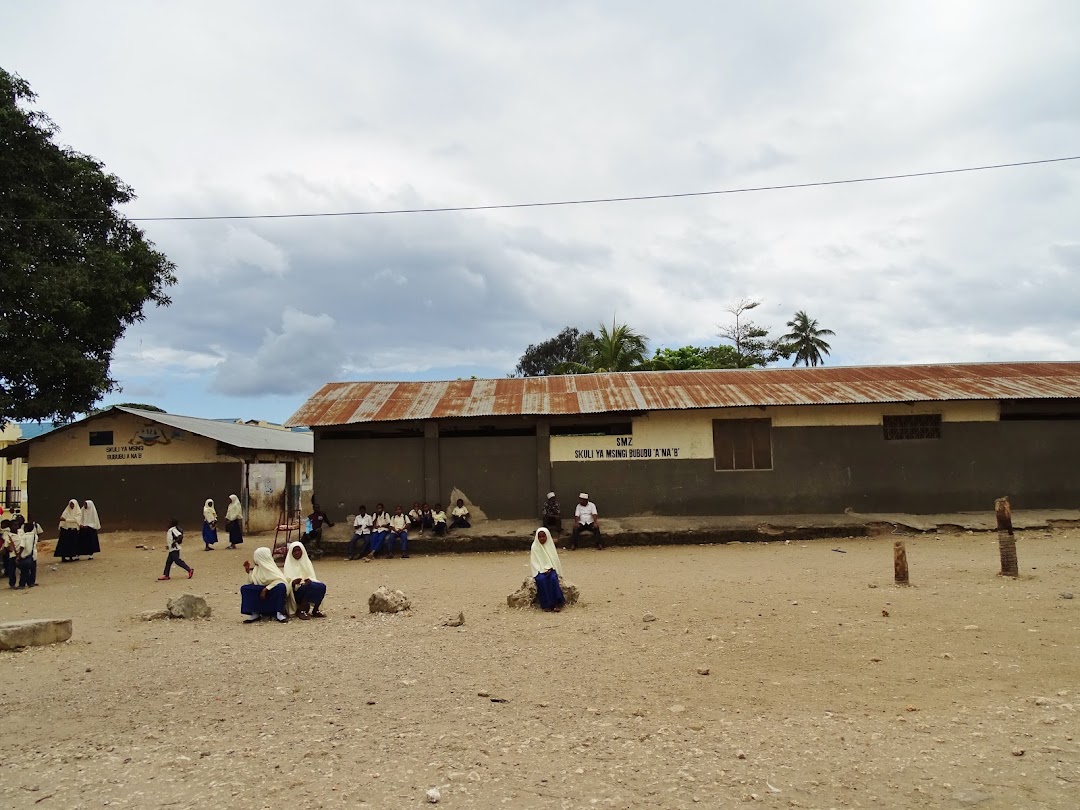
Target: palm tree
x,y
804,340
619,348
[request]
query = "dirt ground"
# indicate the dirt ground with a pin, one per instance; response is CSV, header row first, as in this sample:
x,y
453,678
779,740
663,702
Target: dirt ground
x,y
967,693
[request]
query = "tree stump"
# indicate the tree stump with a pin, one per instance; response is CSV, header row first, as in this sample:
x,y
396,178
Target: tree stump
x,y
1006,540
900,569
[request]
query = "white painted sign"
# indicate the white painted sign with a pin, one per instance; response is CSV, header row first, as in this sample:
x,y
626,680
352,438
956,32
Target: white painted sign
x,y
610,448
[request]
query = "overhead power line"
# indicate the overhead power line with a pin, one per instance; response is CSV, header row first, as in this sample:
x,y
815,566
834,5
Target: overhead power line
x,y
588,201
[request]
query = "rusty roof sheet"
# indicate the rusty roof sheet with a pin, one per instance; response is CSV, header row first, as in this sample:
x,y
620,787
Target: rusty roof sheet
x,y
358,402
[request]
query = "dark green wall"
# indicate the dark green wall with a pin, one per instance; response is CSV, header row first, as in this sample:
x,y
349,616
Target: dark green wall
x,y
142,497
497,473
829,469
815,470
350,472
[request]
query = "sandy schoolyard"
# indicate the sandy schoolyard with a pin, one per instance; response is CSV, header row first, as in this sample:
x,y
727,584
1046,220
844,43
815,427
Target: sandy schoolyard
x,y
827,686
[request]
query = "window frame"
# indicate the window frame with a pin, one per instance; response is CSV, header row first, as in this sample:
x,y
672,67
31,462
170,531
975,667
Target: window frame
x,y
898,431
757,449
95,438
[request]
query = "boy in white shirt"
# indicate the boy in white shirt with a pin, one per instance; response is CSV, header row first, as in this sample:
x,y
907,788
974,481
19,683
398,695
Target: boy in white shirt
x,y
586,519
380,529
361,533
399,525
174,537
460,514
438,520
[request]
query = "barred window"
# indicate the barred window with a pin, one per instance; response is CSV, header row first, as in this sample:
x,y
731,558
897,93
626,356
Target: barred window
x,y
742,444
912,426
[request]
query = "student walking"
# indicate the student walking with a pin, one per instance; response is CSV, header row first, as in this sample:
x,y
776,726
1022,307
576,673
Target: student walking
x,y
209,524
174,537
27,553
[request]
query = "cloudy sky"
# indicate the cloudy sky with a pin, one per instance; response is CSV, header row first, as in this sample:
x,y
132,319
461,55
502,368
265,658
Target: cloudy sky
x,y
211,108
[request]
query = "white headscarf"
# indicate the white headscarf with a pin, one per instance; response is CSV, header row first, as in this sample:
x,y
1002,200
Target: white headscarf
x,y
209,513
299,569
267,574
90,516
234,512
544,556
72,516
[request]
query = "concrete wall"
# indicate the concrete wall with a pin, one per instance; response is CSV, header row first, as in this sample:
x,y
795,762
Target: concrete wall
x,y
135,442
143,497
349,472
497,473
828,469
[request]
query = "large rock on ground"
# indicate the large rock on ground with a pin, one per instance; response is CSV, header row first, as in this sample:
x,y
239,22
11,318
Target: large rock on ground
x,y
34,633
188,606
525,596
385,600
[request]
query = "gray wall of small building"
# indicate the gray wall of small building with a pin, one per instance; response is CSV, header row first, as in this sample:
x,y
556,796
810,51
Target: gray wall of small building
x,y
818,469
135,497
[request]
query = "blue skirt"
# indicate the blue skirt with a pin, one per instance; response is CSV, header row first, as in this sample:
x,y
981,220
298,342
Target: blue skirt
x,y
252,603
236,532
209,534
548,591
313,593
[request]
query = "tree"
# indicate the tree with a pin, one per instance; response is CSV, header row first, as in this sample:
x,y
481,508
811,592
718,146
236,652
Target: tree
x,y
542,359
74,272
804,340
617,349
694,357
752,344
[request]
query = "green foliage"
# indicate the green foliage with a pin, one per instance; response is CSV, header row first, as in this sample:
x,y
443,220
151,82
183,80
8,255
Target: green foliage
x,y
752,344
617,349
542,359
805,340
687,358
74,273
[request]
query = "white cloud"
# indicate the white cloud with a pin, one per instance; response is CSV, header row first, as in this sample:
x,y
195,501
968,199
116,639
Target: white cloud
x,y
383,107
300,357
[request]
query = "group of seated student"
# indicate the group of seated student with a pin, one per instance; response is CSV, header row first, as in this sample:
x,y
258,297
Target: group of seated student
x,y
375,534
273,593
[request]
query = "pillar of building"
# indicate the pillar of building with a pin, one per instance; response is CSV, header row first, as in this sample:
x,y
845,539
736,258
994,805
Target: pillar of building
x,y
431,463
543,460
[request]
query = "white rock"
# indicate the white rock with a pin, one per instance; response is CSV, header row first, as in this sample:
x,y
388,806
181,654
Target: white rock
x,y
433,795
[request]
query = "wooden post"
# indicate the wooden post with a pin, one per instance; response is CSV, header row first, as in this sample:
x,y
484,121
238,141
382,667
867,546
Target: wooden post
x,y
1006,540
900,570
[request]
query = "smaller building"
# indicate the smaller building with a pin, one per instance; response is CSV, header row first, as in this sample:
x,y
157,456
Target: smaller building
x,y
141,468
12,473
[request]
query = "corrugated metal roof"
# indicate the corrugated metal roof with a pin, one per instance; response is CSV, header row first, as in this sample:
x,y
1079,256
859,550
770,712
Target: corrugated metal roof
x,y
246,437
358,402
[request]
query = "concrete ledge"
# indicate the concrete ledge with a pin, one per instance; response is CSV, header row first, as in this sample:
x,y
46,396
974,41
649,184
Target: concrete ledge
x,y
34,633
657,530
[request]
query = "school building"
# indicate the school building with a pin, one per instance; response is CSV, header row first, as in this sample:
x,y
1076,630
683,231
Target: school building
x,y
916,439
141,468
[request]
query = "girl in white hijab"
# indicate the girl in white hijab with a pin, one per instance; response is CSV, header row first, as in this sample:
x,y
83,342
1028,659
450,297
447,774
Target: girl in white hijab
x,y
268,593
209,524
307,590
67,544
234,522
546,569
88,530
